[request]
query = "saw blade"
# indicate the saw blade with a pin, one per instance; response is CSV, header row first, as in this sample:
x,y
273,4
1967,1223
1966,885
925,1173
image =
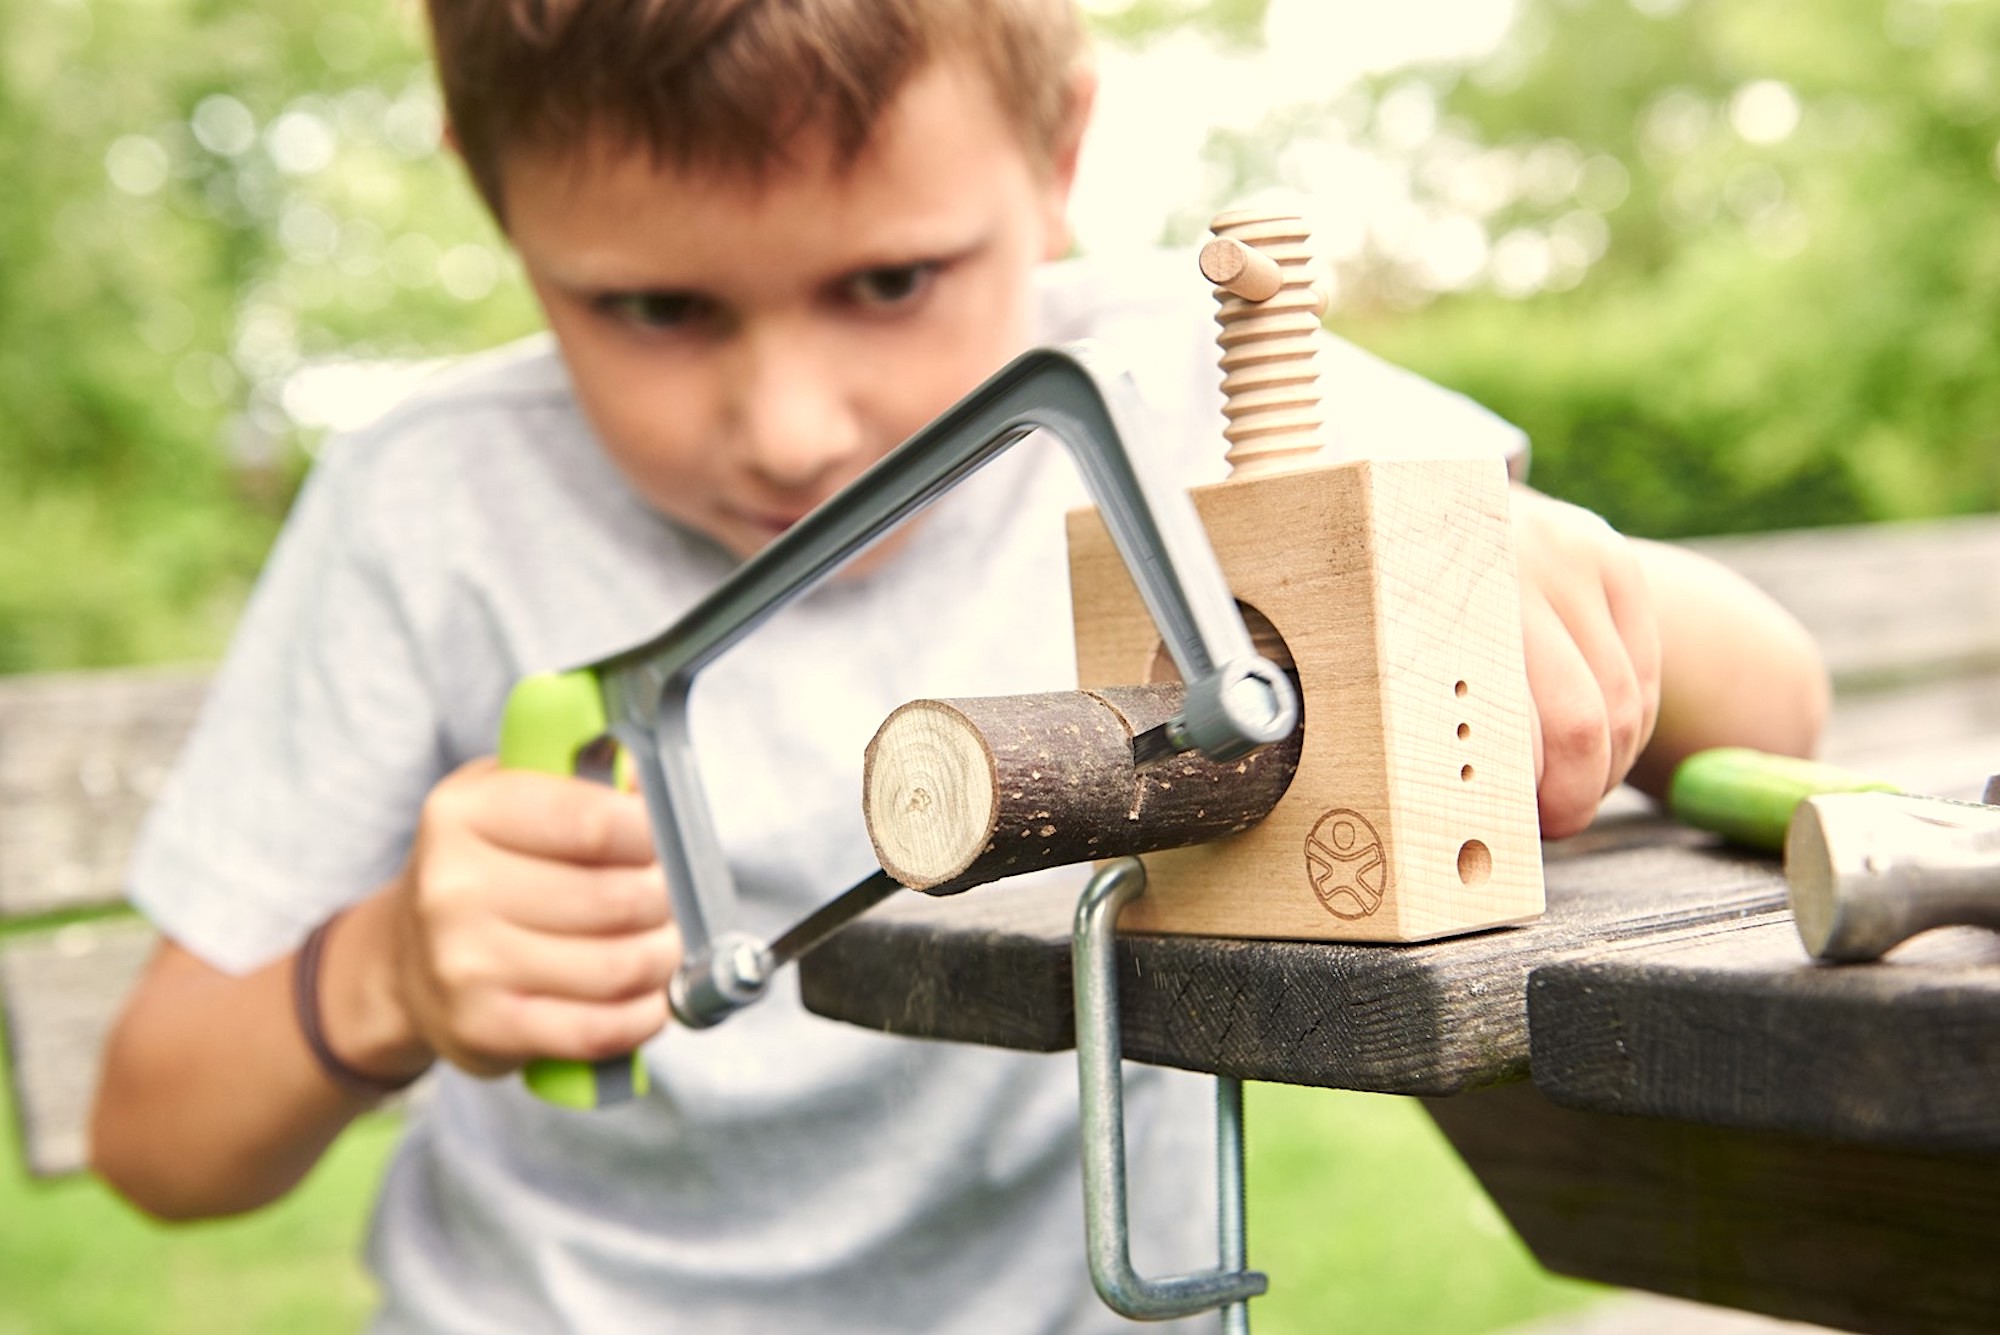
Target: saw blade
x,y
1160,742
831,916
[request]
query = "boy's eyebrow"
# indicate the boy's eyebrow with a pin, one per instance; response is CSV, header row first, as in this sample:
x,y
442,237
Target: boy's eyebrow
x,y
902,257
614,275
611,274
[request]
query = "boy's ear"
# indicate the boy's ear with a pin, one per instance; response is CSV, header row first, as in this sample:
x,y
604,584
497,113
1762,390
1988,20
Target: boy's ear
x,y
1064,153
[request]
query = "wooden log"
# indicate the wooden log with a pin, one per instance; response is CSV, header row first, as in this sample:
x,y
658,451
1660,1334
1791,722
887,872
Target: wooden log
x,y
961,792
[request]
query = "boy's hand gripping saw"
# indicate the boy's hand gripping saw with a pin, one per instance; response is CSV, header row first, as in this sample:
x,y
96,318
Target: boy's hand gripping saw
x,y
566,722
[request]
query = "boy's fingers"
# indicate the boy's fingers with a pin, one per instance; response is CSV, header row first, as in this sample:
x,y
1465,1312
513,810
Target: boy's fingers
x,y
547,815
580,901
1620,694
1630,600
1576,744
508,1031
574,968
490,997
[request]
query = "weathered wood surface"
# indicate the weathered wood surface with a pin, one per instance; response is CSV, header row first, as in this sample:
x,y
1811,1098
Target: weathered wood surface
x,y
61,991
1732,1025
1852,1236
993,967
81,758
1884,600
1940,737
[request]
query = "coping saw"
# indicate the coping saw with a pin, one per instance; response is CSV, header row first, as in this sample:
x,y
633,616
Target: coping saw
x,y
559,722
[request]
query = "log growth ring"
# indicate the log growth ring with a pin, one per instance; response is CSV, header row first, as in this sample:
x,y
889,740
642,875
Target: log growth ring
x,y
929,765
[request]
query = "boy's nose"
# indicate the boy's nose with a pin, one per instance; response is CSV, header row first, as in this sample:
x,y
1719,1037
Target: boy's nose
x,y
797,422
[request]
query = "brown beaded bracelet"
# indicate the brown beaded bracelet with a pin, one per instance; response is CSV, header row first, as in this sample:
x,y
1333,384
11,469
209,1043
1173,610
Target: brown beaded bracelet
x,y
305,1004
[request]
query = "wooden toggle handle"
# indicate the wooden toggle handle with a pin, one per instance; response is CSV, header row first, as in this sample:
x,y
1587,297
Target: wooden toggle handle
x,y
1243,270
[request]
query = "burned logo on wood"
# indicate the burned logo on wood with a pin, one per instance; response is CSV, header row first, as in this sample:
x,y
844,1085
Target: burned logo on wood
x,y
1346,864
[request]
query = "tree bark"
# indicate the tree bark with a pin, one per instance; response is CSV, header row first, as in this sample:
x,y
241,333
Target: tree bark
x,y
961,792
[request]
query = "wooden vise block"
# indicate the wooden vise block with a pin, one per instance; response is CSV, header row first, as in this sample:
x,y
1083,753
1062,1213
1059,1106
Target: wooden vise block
x,y
1390,587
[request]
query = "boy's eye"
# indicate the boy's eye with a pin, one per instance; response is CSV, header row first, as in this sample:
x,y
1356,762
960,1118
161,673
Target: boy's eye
x,y
656,310
891,285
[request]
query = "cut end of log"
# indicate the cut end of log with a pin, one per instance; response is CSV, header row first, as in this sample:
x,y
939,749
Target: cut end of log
x,y
929,793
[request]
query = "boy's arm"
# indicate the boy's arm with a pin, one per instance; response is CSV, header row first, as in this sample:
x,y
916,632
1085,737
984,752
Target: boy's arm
x,y
530,920
209,1102
1739,670
1640,653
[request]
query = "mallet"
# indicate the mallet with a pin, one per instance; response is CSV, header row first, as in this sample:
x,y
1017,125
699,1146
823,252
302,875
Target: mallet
x,y
1868,871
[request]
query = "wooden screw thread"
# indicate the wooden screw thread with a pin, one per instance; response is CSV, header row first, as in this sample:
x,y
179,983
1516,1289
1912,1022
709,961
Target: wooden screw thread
x,y
1270,362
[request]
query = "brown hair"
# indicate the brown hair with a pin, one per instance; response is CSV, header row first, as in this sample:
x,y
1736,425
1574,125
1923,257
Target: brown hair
x,y
727,84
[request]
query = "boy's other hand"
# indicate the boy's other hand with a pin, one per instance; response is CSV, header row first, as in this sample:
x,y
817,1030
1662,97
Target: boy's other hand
x,y
1592,642
533,921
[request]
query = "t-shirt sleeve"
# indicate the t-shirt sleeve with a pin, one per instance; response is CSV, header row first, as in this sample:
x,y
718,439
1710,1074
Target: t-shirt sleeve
x,y
299,787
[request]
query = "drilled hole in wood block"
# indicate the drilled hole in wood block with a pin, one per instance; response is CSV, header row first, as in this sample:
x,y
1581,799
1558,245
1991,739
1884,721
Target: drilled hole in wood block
x,y
1464,731
1465,773
1475,863
1459,689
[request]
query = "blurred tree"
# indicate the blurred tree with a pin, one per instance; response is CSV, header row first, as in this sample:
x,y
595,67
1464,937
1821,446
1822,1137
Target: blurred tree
x,y
209,207
1738,260
1725,259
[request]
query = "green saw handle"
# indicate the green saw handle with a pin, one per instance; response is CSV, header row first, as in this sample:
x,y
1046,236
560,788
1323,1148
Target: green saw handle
x,y
550,719
1748,796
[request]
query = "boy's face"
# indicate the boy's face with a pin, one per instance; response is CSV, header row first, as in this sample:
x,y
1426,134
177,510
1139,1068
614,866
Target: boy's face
x,y
745,348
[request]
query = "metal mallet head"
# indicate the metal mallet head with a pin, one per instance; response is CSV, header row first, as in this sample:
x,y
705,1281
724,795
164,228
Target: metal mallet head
x,y
1868,871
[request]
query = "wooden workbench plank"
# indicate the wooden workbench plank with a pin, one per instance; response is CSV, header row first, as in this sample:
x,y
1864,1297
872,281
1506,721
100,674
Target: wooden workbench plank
x,y
1884,600
59,994
1938,737
1853,1236
1732,1024
993,967
81,757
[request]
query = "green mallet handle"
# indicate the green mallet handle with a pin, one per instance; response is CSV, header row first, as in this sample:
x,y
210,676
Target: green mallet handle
x,y
550,720
1748,796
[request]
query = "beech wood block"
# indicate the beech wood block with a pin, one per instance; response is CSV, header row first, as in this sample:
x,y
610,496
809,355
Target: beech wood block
x,y
1392,587
958,793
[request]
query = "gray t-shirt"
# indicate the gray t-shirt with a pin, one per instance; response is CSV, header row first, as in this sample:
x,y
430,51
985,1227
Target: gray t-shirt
x,y
786,1173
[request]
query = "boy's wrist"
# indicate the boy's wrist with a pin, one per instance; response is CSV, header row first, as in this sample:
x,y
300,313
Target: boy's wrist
x,y
361,1016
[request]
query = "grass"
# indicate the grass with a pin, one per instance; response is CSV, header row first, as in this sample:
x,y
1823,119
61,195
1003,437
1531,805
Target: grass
x,y
1366,1220
1358,1211
75,1260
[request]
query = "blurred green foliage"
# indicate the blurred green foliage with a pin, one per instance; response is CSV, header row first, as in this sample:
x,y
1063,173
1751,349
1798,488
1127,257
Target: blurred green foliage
x,y
1792,321
1726,260
200,200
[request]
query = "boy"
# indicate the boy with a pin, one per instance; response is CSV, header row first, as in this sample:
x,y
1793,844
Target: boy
x,y
771,240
